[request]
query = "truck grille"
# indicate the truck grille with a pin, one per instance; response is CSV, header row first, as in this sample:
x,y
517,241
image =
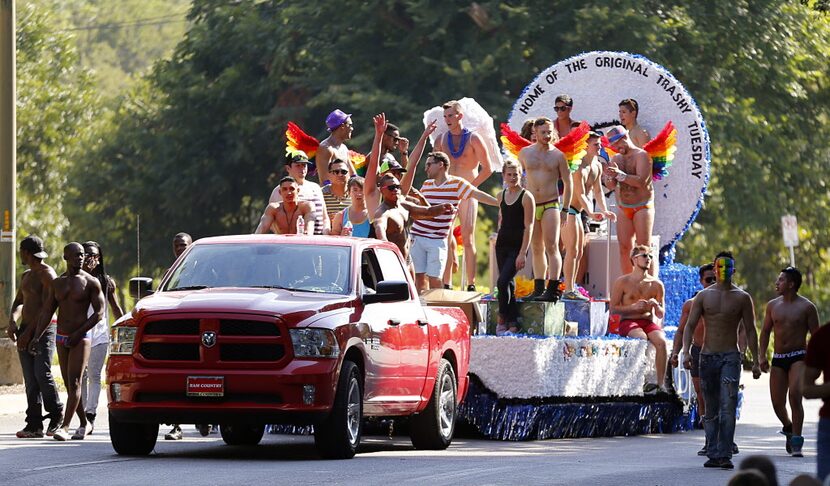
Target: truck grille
x,y
242,341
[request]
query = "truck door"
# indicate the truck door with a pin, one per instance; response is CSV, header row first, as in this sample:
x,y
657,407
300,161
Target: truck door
x,y
381,340
414,331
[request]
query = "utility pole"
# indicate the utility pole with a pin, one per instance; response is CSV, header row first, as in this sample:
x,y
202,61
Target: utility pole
x,y
8,158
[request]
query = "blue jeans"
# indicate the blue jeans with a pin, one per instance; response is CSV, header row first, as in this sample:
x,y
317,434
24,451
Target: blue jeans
x,y
40,385
823,448
720,375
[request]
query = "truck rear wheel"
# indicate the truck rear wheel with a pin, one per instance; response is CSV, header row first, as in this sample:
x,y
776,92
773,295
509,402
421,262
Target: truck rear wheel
x,y
338,436
241,434
132,439
434,427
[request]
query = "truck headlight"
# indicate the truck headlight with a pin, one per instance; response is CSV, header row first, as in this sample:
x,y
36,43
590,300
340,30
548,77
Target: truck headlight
x,y
314,343
123,339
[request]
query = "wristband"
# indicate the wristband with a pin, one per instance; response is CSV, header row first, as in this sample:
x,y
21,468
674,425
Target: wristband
x,y
621,176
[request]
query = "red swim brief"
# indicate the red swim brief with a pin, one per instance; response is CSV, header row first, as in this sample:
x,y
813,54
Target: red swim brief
x,y
628,325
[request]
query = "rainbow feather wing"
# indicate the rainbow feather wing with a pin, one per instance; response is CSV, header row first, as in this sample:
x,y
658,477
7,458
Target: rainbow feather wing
x,y
573,145
609,150
661,149
512,141
359,162
298,141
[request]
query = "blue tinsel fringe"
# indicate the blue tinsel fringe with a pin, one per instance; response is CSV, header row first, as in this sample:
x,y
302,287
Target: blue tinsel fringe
x,y
554,419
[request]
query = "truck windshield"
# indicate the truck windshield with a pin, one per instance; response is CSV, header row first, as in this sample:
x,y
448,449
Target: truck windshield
x,y
306,268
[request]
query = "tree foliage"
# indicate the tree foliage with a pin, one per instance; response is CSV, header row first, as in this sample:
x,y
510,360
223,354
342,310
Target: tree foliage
x,y
193,148
56,111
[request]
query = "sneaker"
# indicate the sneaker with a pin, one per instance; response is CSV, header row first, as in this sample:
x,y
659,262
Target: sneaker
x,y
174,434
471,288
735,449
61,435
80,433
204,429
650,389
726,464
28,433
721,463
788,433
712,463
574,295
703,450
54,425
797,442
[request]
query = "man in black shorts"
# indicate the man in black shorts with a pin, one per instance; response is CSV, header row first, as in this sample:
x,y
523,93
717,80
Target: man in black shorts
x,y
790,317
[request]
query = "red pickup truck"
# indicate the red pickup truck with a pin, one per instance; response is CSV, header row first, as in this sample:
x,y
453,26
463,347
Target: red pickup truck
x,y
251,330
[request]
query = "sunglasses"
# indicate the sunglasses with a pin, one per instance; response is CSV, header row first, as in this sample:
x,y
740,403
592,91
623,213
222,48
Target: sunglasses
x,y
347,125
340,172
561,108
646,255
392,187
710,280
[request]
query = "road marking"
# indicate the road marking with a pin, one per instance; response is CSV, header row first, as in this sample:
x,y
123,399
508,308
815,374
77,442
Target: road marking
x,y
76,464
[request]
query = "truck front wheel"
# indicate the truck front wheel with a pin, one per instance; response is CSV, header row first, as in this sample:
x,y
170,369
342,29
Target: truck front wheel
x,y
338,436
241,434
132,439
434,427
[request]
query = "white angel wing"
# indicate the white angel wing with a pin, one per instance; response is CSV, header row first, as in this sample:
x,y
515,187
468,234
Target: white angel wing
x,y
477,120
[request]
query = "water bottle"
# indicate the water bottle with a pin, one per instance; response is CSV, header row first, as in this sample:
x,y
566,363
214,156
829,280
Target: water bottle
x,y
300,225
347,228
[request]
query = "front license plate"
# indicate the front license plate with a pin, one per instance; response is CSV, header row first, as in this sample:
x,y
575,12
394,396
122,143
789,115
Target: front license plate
x,y
205,386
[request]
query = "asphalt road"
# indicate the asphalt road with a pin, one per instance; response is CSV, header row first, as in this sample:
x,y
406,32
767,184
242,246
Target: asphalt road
x,y
645,460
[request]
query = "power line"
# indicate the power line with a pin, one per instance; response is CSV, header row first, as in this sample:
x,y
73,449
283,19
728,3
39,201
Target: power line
x,y
133,23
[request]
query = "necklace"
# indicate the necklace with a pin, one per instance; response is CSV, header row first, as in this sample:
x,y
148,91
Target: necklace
x,y
465,137
289,218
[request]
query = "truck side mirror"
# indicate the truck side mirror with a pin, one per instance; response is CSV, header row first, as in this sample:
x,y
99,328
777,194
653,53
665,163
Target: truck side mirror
x,y
388,291
140,287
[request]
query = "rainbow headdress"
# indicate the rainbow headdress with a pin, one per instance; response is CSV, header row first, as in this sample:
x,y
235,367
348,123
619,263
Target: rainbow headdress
x,y
573,145
512,141
661,149
298,142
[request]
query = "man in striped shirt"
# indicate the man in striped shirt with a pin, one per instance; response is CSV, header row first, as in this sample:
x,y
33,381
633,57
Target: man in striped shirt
x,y
429,236
336,194
309,191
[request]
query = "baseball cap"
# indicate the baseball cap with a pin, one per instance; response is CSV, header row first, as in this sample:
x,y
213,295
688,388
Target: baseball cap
x,y
389,163
616,133
336,118
34,245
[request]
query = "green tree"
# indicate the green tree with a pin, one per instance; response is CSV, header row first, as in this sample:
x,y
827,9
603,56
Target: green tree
x,y
193,149
56,110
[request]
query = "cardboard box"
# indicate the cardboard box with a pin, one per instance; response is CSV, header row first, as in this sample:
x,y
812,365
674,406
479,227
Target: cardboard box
x,y
466,301
535,318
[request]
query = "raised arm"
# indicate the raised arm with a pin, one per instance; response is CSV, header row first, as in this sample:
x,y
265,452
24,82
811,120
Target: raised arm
x,y
411,163
371,194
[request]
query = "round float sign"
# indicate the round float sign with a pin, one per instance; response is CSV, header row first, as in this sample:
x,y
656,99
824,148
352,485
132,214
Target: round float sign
x,y
597,81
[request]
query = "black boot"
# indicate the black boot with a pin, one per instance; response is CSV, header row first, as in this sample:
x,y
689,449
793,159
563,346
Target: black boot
x,y
551,294
538,289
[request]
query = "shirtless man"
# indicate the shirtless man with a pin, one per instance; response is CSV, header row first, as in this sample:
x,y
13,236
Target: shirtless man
x,y
545,165
789,317
629,172
466,151
71,294
394,214
639,300
723,306
35,356
297,168
563,105
629,109
340,126
586,181
281,218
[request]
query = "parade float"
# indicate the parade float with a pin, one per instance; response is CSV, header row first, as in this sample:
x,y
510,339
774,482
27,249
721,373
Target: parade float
x,y
567,374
